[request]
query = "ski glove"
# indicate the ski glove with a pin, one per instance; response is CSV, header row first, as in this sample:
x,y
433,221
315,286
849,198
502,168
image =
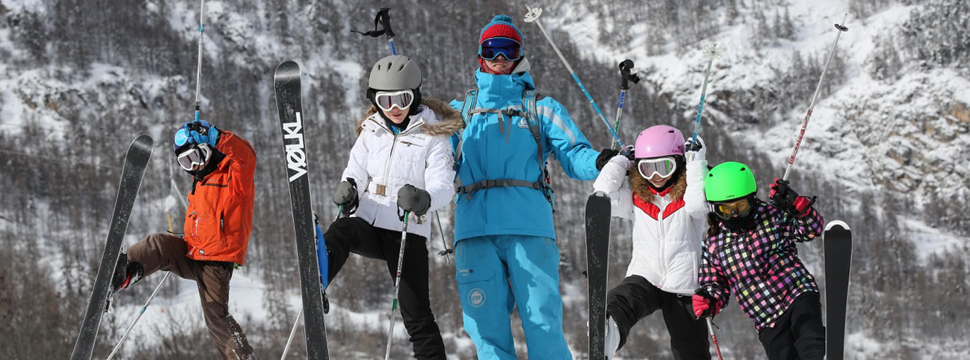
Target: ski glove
x,y
695,152
202,132
413,199
788,200
346,196
604,157
705,304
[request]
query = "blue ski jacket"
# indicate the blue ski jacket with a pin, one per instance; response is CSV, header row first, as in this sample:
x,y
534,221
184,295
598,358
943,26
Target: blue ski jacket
x,y
495,147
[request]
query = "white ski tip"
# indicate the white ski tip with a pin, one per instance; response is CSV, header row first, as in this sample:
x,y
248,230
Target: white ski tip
x,y
835,223
533,14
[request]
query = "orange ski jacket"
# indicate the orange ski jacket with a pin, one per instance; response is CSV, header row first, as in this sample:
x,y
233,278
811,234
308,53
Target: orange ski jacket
x,y
219,218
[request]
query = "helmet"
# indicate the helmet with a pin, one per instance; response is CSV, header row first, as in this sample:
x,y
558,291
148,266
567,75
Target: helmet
x,y
395,72
658,141
729,181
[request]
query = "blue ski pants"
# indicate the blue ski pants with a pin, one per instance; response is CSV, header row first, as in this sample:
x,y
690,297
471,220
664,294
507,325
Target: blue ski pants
x,y
498,271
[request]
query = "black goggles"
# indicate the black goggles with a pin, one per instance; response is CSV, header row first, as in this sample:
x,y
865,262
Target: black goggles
x,y
729,209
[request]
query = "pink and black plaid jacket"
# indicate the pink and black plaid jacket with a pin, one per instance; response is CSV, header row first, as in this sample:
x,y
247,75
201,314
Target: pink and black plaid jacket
x,y
761,265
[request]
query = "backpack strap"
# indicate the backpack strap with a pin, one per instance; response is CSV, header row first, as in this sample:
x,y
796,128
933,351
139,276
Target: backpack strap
x,y
471,97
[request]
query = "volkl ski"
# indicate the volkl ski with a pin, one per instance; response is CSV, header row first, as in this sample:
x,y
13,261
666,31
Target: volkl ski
x,y
288,101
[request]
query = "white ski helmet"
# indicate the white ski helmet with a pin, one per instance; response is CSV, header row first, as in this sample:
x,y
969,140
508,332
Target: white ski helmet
x,y
395,72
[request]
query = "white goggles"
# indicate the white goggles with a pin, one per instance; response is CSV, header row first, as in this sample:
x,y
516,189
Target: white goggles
x,y
388,100
195,157
664,167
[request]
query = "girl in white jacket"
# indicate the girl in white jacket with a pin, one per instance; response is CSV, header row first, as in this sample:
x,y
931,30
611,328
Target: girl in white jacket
x,y
402,161
665,199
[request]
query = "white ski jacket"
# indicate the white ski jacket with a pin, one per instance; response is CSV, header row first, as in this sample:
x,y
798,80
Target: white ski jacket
x,y
421,155
668,234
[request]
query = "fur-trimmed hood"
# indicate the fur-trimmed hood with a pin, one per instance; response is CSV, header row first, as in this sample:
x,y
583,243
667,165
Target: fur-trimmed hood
x,y
449,119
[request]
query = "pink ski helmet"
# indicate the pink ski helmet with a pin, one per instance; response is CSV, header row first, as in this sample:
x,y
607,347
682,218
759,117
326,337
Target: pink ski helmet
x,y
658,141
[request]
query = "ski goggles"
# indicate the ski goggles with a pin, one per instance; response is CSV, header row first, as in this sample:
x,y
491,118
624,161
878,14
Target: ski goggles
x,y
194,157
492,48
664,167
736,208
388,100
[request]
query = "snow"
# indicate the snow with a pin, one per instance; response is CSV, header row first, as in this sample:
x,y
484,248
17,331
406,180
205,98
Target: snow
x,y
929,240
849,138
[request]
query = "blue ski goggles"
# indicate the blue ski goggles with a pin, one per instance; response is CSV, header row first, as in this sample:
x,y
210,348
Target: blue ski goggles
x,y
492,48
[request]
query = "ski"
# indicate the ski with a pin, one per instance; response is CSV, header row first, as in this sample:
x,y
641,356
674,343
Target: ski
x,y
598,214
837,243
136,160
288,101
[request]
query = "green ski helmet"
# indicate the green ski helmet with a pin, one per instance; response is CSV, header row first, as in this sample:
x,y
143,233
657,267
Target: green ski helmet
x,y
728,181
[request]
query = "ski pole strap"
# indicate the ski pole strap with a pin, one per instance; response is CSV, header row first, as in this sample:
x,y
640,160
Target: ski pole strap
x,y
382,20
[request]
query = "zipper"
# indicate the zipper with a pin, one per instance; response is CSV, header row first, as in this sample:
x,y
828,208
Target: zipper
x,y
663,242
387,166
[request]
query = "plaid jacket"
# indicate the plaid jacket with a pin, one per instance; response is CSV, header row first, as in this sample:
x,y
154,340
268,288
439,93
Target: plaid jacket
x,y
761,265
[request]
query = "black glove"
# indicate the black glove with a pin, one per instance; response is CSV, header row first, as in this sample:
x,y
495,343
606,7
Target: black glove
x,y
413,199
689,145
346,195
788,200
604,157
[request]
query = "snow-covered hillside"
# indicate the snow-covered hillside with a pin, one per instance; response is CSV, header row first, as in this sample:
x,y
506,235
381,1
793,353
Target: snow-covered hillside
x,y
885,148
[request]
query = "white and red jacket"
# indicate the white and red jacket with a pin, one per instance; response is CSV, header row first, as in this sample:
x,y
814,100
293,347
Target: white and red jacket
x,y
668,233
382,162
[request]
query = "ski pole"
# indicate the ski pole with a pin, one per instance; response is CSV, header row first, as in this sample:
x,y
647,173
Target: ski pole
x,y
140,313
625,78
198,72
444,243
711,52
299,315
533,16
383,19
710,328
811,105
397,285
171,229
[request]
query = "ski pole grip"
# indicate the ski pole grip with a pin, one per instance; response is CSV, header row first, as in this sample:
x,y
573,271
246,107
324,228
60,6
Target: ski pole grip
x,y
384,17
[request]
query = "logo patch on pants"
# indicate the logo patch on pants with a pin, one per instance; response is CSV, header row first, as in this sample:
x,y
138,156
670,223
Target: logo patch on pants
x,y
476,297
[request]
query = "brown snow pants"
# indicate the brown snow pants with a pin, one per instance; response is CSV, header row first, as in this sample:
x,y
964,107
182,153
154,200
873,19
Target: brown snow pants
x,y
166,252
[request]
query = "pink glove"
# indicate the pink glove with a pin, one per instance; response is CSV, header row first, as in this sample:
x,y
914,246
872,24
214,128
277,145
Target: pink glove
x,y
705,305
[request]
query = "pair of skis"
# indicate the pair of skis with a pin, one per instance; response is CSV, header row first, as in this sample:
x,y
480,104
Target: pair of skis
x,y
837,243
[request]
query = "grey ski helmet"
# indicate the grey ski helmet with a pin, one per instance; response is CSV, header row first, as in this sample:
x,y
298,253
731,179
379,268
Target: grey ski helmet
x,y
395,72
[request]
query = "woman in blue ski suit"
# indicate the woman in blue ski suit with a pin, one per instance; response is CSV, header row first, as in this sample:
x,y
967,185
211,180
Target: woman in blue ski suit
x,y
504,237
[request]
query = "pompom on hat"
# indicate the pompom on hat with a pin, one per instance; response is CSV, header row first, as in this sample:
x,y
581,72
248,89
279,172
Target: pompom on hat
x,y
501,26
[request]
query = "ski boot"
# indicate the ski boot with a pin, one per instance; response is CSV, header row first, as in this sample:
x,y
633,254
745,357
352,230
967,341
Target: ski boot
x,y
125,274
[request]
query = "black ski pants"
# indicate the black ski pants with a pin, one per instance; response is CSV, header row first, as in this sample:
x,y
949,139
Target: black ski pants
x,y
354,235
635,298
798,333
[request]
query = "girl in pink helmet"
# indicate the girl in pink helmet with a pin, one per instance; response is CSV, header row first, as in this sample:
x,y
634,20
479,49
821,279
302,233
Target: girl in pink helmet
x,y
661,188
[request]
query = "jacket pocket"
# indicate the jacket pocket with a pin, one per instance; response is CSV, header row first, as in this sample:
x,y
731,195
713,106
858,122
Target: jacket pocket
x,y
477,288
